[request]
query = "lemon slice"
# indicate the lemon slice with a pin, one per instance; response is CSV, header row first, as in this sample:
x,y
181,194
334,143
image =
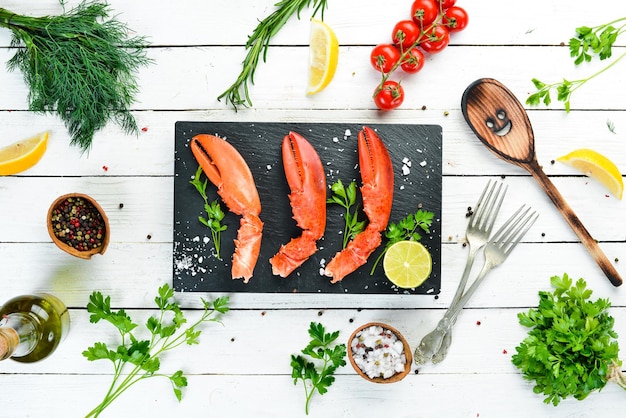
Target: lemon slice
x,y
598,167
323,54
407,264
23,154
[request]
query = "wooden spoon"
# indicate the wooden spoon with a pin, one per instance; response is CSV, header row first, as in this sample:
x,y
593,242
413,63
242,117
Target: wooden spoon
x,y
501,123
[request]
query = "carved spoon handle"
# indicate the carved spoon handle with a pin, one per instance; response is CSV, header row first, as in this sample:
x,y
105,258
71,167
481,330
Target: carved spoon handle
x,y
588,241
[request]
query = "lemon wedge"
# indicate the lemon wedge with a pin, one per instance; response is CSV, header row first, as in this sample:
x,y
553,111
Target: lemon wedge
x,y
407,264
22,155
323,55
598,167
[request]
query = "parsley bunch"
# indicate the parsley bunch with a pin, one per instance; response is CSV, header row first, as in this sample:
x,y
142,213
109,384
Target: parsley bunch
x,y
406,229
143,356
214,212
318,374
571,349
346,198
589,42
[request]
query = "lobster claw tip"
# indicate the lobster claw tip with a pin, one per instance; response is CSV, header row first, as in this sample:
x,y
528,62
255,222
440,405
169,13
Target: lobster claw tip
x,y
202,146
374,160
298,156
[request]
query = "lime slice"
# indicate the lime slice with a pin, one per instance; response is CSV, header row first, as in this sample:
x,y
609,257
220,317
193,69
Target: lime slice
x,y
598,167
23,154
407,264
323,56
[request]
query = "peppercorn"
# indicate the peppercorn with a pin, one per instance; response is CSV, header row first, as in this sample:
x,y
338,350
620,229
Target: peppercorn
x,y
74,220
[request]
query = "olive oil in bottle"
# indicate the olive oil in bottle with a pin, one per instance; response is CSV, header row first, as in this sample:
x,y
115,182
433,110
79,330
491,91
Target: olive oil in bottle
x,y
32,326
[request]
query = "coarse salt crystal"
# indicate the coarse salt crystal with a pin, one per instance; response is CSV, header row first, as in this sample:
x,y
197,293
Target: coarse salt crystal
x,y
378,352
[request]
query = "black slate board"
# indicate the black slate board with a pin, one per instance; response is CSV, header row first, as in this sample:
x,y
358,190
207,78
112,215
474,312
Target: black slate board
x,y
195,267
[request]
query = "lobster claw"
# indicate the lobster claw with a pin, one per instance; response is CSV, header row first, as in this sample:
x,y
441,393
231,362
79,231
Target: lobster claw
x,y
226,168
307,181
377,193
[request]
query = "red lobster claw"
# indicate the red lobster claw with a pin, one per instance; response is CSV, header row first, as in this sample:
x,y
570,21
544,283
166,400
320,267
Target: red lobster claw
x,y
225,168
377,193
307,181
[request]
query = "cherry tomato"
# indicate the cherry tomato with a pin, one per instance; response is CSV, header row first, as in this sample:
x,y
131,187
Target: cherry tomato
x,y
384,57
455,19
446,4
413,61
437,39
389,96
405,33
424,12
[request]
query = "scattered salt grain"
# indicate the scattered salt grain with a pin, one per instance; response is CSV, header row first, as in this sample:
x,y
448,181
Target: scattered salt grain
x,y
378,352
423,163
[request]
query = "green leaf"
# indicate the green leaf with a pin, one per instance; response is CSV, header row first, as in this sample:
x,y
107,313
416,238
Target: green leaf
x,y
142,356
570,344
327,356
99,351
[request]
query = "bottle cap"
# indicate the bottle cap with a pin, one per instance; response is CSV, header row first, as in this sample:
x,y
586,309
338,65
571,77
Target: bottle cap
x,y
9,340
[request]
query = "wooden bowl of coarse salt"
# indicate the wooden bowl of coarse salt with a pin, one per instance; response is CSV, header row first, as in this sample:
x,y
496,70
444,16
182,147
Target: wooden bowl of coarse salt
x,y
379,353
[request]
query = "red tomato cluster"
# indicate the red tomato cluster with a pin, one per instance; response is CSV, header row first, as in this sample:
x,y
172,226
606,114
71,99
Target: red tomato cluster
x,y
428,30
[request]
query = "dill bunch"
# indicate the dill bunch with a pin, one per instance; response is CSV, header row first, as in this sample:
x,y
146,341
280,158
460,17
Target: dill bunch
x,y
80,65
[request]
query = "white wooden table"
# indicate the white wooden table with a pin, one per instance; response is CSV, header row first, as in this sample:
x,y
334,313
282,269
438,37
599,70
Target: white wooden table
x,y
242,368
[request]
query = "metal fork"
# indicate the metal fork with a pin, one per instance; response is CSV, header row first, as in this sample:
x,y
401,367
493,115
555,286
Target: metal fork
x,y
496,251
477,234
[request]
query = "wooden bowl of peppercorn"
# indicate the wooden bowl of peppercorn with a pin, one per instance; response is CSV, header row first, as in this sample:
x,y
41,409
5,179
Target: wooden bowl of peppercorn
x,y
379,353
78,225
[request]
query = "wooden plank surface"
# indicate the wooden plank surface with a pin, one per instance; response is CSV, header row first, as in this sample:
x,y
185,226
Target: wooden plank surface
x,y
241,368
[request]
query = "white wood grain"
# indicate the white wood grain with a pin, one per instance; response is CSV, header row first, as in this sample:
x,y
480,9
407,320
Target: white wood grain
x,y
242,367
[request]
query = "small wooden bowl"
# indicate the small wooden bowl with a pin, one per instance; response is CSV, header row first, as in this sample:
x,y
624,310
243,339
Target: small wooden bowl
x,y
85,254
407,352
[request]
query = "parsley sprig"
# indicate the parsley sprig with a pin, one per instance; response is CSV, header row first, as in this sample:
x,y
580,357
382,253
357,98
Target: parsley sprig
x,y
407,229
143,356
590,42
317,375
571,348
346,197
214,212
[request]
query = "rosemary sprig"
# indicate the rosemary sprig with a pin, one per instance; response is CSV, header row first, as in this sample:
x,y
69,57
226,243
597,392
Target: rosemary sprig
x,y
259,42
80,65
214,212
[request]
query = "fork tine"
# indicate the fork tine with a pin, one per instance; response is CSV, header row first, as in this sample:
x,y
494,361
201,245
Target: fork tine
x,y
488,206
510,234
494,207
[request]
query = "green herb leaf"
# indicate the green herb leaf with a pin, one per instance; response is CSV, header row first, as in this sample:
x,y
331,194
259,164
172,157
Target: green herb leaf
x,y
259,42
406,229
80,65
142,356
589,43
214,212
346,197
571,347
318,374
